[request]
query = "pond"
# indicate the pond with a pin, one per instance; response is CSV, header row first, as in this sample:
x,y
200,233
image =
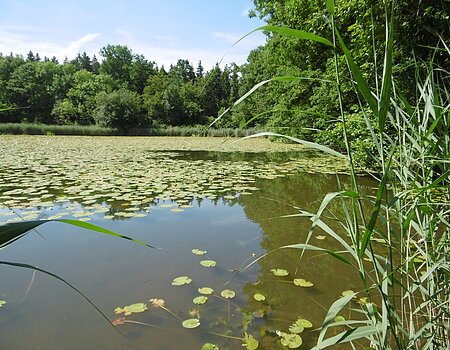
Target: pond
x,y
209,213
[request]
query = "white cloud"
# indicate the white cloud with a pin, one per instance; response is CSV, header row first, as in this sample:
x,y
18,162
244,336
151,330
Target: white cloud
x,y
76,46
21,41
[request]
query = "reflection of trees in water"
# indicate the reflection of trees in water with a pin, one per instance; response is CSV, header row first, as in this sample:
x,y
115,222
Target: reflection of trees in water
x,y
285,302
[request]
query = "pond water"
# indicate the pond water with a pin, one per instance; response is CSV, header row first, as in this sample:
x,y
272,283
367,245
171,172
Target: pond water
x,y
228,205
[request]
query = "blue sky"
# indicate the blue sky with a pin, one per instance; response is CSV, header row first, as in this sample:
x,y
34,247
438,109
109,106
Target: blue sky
x,y
161,30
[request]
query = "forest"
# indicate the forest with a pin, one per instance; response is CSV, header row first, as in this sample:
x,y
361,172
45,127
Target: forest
x,y
127,91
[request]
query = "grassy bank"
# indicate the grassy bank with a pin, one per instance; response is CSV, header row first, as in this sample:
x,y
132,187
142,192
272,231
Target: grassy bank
x,y
92,130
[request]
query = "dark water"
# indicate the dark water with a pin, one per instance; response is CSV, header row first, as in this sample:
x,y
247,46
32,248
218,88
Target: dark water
x,y
44,313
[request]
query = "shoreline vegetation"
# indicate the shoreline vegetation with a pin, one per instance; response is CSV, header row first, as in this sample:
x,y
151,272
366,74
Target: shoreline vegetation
x,y
95,130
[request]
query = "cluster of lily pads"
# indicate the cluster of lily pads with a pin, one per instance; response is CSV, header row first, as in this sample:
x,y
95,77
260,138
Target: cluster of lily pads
x,y
289,338
115,179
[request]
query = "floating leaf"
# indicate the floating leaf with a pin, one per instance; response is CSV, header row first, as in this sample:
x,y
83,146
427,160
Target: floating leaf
x,y
131,309
301,282
177,210
321,238
208,263
304,323
347,293
157,302
182,280
205,290
228,294
200,300
2,302
191,323
296,328
209,346
280,272
259,297
199,252
249,342
292,341
339,318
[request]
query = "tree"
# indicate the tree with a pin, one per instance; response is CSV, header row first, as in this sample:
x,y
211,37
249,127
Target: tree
x,y
80,103
121,64
31,88
182,72
120,109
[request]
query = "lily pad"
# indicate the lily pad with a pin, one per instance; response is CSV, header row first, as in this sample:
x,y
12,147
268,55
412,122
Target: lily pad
x,y
228,294
209,346
339,318
250,343
199,252
208,263
200,300
304,323
191,323
280,272
131,309
301,282
180,281
346,293
205,290
2,302
259,297
292,341
296,328
321,238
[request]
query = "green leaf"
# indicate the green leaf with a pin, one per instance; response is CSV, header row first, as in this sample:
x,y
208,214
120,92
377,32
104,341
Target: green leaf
x,y
228,294
180,281
205,290
13,231
198,252
131,309
330,7
249,342
346,293
386,87
208,263
2,302
304,323
339,318
209,346
259,297
280,272
301,282
296,328
200,300
357,75
299,34
191,323
292,341
302,142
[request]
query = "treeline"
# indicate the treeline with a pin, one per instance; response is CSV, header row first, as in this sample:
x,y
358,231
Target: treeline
x,y
123,91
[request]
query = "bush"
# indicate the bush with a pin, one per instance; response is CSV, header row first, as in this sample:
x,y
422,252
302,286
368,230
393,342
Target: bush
x,y
121,109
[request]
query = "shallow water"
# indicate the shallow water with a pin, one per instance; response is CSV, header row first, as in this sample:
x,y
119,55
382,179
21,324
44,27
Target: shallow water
x,y
238,222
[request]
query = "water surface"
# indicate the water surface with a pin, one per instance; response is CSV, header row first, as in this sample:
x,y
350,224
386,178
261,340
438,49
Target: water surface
x,y
229,205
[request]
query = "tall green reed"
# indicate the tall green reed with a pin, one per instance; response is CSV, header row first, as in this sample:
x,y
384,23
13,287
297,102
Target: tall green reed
x,y
405,298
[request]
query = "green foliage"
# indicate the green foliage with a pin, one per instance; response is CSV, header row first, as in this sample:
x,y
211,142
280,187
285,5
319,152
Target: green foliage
x,y
121,109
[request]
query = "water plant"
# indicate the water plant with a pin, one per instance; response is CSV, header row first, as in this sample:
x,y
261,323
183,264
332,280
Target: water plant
x,y
405,296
